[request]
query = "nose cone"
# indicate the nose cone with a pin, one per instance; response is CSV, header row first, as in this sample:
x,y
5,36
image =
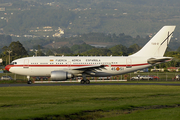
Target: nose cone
x,y
8,67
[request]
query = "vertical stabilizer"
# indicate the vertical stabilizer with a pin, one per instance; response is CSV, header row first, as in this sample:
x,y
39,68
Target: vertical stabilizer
x,y
156,47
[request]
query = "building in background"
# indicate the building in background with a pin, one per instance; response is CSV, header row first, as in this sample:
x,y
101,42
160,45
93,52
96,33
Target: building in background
x,y
1,60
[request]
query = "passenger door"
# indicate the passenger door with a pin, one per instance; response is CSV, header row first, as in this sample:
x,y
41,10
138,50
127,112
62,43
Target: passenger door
x,y
128,63
26,63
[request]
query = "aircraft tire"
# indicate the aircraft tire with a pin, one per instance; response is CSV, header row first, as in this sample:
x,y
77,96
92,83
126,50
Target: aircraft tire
x,y
82,81
29,82
87,81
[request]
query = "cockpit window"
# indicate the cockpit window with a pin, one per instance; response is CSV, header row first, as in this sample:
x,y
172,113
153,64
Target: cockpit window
x,y
13,63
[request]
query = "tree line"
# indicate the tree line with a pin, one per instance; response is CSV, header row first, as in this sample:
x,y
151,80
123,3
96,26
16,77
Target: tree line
x,y
18,51
109,39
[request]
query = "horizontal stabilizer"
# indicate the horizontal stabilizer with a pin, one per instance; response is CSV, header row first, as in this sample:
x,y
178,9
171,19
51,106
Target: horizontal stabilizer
x,y
159,60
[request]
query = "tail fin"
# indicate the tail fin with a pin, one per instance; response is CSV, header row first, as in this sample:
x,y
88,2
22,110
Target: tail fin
x,y
156,47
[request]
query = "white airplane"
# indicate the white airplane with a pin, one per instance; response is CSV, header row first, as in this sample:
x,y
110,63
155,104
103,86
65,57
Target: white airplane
x,y
61,68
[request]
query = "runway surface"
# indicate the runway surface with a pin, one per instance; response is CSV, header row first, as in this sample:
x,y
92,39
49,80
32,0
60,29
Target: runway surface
x,y
78,84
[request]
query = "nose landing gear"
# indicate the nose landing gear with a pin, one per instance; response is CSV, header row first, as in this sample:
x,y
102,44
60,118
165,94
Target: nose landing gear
x,y
29,81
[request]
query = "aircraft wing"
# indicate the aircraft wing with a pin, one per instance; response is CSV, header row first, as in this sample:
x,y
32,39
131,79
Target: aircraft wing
x,y
159,60
91,70
89,67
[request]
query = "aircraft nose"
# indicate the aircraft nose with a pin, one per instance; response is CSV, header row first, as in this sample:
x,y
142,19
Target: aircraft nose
x,y
8,67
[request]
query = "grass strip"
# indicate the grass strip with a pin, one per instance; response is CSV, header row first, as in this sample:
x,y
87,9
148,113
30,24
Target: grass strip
x,y
72,101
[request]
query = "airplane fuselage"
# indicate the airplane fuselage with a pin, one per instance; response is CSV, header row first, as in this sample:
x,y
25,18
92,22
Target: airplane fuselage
x,y
43,66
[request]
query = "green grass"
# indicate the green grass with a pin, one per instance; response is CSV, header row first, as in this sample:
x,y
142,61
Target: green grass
x,y
153,114
87,101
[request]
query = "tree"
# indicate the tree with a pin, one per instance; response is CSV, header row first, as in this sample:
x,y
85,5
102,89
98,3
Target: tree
x,y
98,52
133,48
49,52
40,53
37,47
64,50
119,50
17,49
77,49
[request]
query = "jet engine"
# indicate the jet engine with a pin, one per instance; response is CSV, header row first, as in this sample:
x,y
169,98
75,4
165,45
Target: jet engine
x,y
60,75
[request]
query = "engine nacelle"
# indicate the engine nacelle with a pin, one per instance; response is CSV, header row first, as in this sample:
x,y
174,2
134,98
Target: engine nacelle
x,y
60,75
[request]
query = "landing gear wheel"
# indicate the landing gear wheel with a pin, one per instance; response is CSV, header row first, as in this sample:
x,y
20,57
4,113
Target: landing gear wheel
x,y
82,81
29,82
87,81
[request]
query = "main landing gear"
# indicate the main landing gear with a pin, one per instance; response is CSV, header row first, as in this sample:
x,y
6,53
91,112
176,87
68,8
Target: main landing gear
x,y
84,80
29,81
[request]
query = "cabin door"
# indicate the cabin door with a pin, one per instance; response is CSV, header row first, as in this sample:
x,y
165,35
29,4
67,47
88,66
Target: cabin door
x,y
26,63
128,63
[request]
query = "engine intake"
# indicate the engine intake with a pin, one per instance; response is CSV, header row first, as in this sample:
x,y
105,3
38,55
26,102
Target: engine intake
x,y
60,75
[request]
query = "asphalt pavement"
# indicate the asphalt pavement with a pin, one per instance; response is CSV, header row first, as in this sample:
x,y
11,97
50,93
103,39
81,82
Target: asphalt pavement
x,y
78,84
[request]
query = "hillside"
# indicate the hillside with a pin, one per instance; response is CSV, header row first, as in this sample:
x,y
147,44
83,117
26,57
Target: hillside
x,y
29,18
